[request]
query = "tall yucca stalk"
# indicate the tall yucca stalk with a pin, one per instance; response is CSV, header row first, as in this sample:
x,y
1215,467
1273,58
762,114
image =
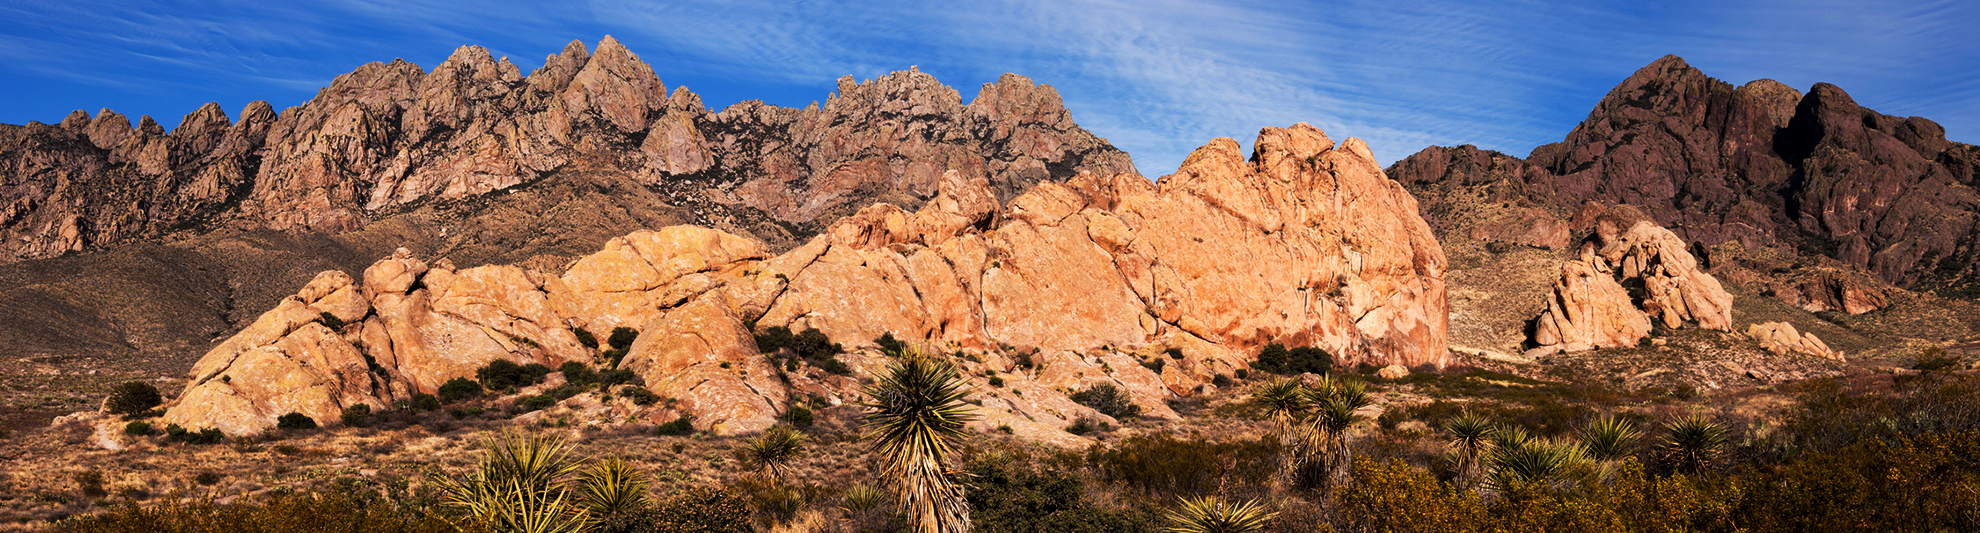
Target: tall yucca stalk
x,y
771,453
1471,440
1213,515
916,411
519,486
1691,443
612,486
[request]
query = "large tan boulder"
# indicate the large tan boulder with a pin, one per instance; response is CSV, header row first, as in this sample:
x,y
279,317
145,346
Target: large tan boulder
x,y
1588,310
1782,339
1305,243
1590,307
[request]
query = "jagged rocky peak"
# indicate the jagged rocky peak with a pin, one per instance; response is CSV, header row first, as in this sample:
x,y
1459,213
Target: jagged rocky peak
x,y
391,137
1760,164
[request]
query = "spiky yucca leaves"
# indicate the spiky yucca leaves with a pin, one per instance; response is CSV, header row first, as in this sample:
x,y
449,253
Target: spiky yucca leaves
x,y
1213,515
915,412
519,487
862,498
1322,455
1609,438
770,454
1558,463
1471,440
1691,443
612,486
1284,400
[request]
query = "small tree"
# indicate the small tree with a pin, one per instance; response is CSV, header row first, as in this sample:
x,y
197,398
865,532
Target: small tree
x,y
133,398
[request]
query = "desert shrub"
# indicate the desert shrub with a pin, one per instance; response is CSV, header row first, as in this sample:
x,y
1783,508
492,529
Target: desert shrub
x,y
1220,381
1010,494
356,414
585,338
996,381
775,338
577,374
619,376
137,428
1164,466
331,321
679,427
90,482
457,389
1936,358
502,374
639,395
622,337
536,403
425,402
798,416
1108,400
1086,424
1276,359
889,345
204,436
704,509
811,346
131,398
1154,365
206,478
353,512
295,420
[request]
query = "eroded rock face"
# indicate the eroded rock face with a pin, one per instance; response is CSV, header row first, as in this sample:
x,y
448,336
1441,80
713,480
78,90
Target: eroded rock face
x,y
1304,243
1781,339
1760,164
390,136
1593,304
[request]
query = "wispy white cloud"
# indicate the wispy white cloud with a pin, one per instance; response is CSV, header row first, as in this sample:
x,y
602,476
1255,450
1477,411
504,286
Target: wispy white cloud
x,y
1156,77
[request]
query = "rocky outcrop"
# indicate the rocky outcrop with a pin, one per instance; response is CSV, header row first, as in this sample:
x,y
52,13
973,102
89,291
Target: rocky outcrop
x,y
1631,273
388,137
1782,339
1304,243
1761,164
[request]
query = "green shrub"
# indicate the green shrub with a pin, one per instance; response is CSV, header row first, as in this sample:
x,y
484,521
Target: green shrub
x,y
342,511
331,321
356,414
996,381
798,416
132,398
1086,424
536,403
576,373
425,402
1108,400
138,428
207,478
639,395
1010,494
91,483
295,420
1276,359
679,427
457,389
204,436
622,337
775,338
585,338
1163,466
703,509
619,376
503,374
889,345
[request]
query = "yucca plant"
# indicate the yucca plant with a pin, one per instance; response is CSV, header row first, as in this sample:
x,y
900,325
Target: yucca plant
x,y
1320,455
519,487
861,498
1284,400
612,486
915,413
770,454
1610,437
1558,463
1471,440
1691,443
1213,515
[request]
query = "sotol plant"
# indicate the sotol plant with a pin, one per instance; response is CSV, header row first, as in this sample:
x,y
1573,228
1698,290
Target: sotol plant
x,y
1471,440
1212,515
1691,443
916,412
521,486
770,454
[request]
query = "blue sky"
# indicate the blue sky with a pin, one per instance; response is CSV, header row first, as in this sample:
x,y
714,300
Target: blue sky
x,y
1156,77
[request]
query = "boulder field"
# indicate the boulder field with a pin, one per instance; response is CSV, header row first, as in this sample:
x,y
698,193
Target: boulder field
x,y
1156,288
